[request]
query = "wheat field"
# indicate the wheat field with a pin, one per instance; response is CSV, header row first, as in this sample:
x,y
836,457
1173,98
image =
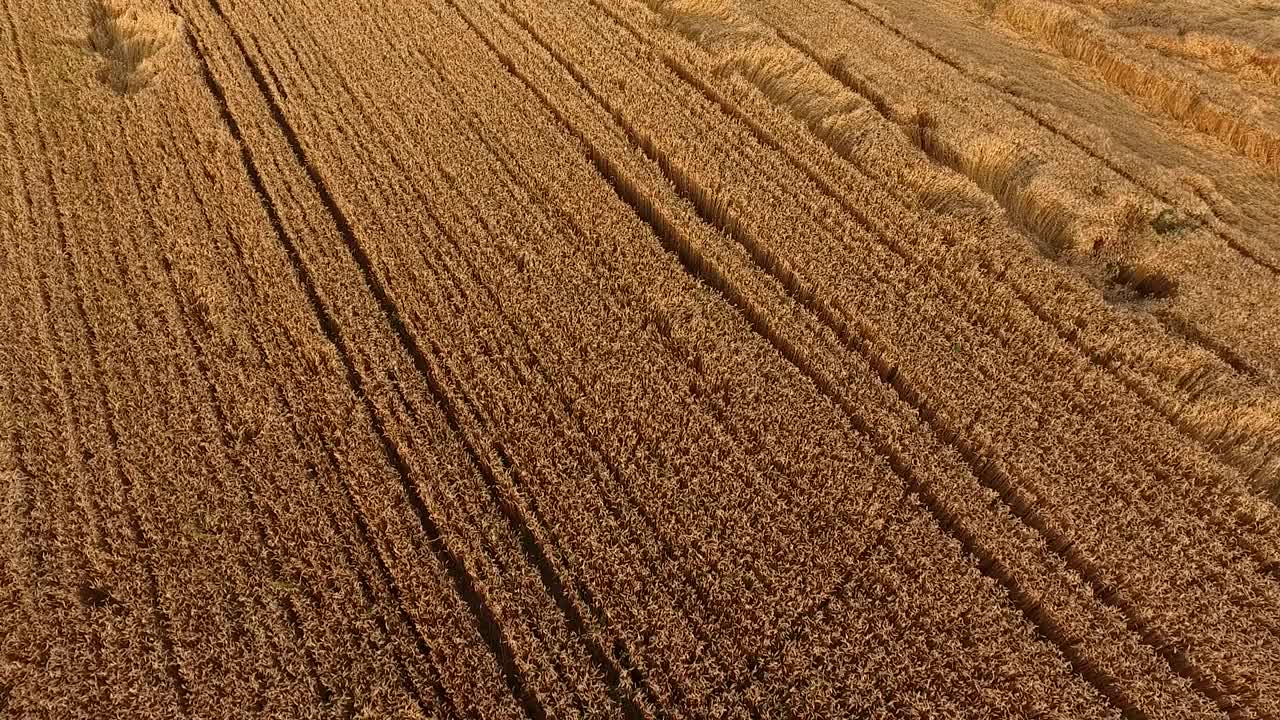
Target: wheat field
x,y
639,359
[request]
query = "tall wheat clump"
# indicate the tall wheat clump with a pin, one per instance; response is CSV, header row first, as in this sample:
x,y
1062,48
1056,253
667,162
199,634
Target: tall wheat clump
x,y
129,41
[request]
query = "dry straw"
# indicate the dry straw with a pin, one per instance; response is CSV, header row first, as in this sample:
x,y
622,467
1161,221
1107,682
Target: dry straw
x,y
1078,38
129,41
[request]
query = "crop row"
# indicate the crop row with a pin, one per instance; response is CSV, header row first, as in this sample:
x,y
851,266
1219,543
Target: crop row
x,y
535,84
432,359
217,499
1054,189
501,323
745,179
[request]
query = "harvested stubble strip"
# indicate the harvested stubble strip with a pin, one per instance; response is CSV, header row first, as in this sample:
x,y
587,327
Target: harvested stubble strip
x,y
857,69
1068,199
1244,227
1141,73
1243,638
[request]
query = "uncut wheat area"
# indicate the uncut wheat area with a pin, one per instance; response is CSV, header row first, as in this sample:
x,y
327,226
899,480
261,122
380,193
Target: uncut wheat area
x,y
639,359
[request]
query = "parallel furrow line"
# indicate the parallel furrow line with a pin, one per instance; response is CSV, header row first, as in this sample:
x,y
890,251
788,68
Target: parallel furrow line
x,y
987,469
533,550
61,379
567,406
582,593
75,453
551,575
991,475
1069,335
599,455
159,615
699,267
424,650
623,666
286,604
1192,333
596,157
569,223
223,433
486,621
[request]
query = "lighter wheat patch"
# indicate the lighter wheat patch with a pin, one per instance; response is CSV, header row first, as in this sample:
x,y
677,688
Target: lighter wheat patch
x,y
130,41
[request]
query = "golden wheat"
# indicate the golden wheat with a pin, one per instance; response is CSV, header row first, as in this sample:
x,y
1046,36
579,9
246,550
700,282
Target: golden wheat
x,y
498,358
